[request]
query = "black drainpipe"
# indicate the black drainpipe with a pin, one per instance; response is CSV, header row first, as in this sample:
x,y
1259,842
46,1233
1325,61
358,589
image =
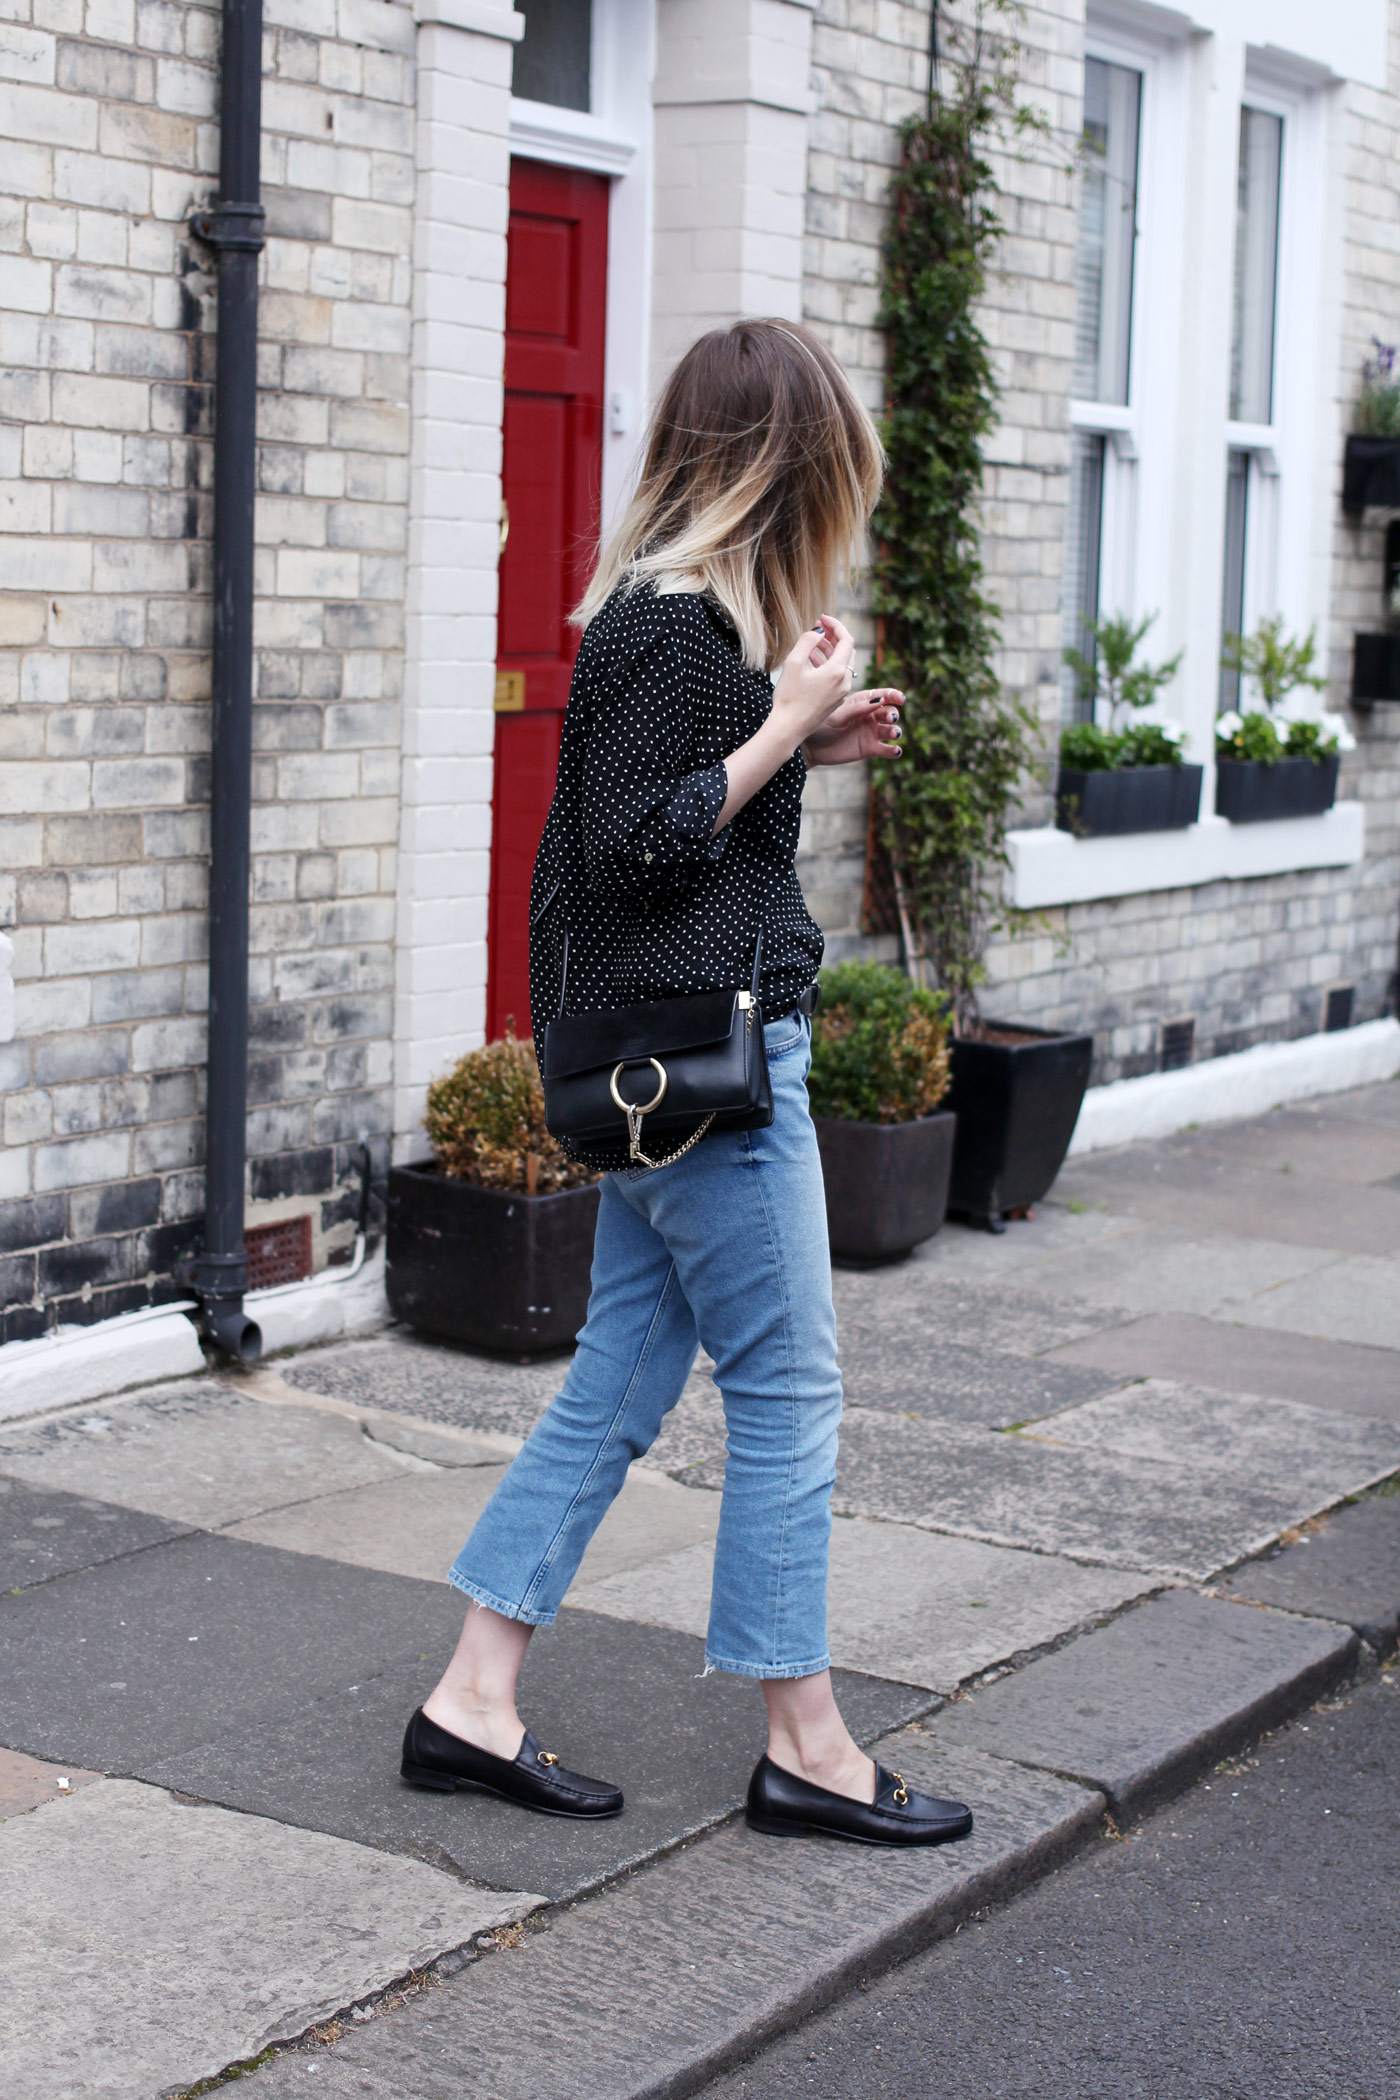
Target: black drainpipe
x,y
233,227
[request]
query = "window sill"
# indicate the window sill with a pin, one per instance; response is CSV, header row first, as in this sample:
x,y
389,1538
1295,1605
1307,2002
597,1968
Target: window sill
x,y
1049,866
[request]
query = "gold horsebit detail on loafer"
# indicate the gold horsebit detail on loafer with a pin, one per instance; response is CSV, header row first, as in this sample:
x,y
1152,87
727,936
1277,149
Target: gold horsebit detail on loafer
x,y
901,1792
546,1757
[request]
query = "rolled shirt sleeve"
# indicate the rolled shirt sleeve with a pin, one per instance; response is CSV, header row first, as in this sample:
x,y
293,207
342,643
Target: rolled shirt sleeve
x,y
648,814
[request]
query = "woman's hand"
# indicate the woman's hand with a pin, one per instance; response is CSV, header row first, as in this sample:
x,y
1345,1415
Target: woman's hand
x,y
866,725
815,680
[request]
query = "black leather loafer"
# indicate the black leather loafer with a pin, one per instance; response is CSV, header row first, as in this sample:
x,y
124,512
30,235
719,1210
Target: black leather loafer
x,y
434,1757
782,1805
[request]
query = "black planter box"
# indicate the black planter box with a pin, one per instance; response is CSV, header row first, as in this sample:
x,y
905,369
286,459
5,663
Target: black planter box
x,y
1375,669
1017,1104
487,1267
1371,473
1103,803
886,1184
1250,790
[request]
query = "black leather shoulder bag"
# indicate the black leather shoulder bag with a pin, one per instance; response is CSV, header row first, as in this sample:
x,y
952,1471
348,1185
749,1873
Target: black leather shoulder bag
x,y
682,1066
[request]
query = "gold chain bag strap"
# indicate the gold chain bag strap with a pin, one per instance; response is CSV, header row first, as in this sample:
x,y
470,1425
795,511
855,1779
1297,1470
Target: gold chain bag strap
x,y
669,1070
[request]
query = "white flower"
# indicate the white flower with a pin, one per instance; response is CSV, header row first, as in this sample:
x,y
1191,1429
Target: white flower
x,y
1172,731
1336,725
1229,724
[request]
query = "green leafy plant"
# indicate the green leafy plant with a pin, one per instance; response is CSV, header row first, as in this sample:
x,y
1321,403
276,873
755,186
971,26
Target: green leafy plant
x,y
1378,403
940,814
1257,736
485,1122
1152,744
1276,664
1113,677
879,1045
1088,748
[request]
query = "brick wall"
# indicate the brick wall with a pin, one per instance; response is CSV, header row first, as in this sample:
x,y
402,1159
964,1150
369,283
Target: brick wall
x,y
106,357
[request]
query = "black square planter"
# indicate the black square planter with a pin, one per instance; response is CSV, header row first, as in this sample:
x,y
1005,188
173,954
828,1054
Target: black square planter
x,y
1371,473
487,1267
1101,803
1252,791
1017,1102
886,1184
1375,669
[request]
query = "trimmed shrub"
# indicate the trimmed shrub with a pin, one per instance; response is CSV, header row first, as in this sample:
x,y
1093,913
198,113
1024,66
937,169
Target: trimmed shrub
x,y
879,1045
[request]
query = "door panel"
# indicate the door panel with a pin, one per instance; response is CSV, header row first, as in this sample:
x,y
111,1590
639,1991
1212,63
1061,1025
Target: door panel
x,y
556,284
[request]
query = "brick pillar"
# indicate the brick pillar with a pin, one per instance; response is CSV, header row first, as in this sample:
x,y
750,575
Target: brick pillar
x,y
732,97
464,68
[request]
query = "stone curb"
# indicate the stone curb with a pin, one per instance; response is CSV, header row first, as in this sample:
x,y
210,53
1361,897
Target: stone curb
x,y
753,1941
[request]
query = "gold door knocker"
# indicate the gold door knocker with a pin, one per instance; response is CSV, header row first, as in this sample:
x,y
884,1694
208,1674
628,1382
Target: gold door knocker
x,y
635,1110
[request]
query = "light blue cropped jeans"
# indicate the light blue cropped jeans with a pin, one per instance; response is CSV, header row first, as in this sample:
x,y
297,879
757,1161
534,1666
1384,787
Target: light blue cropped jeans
x,y
726,1246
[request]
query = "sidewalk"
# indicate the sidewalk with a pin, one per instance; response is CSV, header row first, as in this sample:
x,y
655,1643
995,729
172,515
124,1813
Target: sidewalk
x,y
1069,1456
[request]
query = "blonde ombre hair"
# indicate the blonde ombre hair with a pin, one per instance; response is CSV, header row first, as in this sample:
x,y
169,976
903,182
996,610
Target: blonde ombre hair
x,y
760,470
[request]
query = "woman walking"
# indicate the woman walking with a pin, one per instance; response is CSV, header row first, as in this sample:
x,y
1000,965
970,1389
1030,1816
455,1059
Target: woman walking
x,y
668,856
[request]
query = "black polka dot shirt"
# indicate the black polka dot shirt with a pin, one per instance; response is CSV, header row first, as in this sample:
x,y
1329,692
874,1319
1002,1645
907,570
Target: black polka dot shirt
x,y
657,902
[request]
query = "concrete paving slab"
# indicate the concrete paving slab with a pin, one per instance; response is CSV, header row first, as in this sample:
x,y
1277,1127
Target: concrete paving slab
x,y
1369,1104
1145,1704
1314,1453
197,1454
401,1373
1152,1270
1357,1301
903,1603
912,1300
1339,1376
1224,1197
43,1534
1162,1518
677,1973
27,1782
963,1253
624,1702
1301,1139
925,1375
151,1943
196,1639
1346,1567
416,1526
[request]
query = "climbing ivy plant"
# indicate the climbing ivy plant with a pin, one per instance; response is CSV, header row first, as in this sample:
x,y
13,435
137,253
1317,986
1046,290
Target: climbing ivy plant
x,y
941,808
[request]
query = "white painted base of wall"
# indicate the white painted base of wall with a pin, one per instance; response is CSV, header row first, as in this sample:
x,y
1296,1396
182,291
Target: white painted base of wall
x,y
1128,1111
87,1363
76,1364
323,1308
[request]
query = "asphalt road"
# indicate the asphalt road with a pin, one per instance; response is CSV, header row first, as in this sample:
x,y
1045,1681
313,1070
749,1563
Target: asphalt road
x,y
1241,1944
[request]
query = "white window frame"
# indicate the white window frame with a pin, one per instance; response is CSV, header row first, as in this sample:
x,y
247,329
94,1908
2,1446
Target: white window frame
x,y
1278,576
1183,427
1136,457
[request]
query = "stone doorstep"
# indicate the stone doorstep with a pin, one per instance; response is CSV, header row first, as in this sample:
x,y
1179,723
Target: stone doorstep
x,y
765,1933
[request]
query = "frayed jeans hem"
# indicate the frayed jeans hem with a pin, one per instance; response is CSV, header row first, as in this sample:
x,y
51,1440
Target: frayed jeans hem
x,y
747,1669
507,1610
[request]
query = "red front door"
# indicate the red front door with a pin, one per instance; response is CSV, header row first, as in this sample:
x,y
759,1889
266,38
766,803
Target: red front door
x,y
556,282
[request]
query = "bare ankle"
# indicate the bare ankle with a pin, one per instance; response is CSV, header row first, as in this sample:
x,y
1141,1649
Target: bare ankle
x,y
488,1720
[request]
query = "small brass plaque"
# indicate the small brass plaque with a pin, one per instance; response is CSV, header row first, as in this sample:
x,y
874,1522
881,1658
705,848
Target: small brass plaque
x,y
510,692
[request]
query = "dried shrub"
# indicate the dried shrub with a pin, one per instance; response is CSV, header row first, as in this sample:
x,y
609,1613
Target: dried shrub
x,y
485,1120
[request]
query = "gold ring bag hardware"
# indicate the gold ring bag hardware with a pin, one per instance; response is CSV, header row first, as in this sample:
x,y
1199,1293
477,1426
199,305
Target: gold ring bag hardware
x,y
658,1074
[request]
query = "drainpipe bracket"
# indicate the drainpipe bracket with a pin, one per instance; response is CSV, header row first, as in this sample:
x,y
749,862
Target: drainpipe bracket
x,y
230,226
215,1275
